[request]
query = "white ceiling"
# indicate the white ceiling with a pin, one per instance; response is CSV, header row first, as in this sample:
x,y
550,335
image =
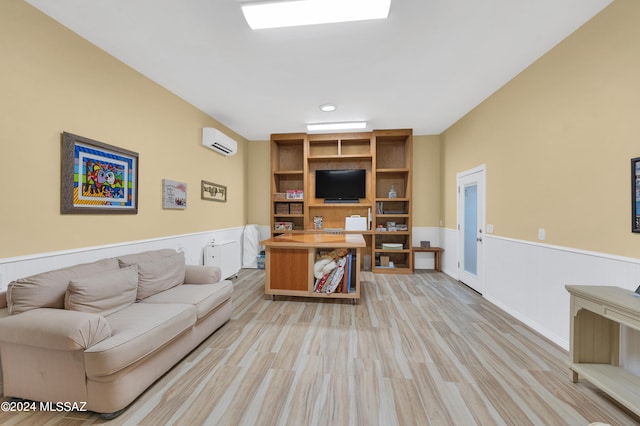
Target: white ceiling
x,y
424,67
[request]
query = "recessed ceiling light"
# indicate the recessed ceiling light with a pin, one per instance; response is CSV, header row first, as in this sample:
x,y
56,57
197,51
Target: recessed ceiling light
x,y
351,125
269,14
327,107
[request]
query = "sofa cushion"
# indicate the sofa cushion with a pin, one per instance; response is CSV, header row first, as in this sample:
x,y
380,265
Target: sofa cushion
x,y
205,297
136,332
104,293
54,329
200,274
47,289
160,274
144,256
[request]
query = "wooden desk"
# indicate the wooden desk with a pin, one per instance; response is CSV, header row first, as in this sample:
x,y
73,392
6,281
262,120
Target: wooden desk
x,y
437,255
596,315
289,261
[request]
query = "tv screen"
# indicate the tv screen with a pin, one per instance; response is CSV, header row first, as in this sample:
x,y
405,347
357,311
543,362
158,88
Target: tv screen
x,y
341,184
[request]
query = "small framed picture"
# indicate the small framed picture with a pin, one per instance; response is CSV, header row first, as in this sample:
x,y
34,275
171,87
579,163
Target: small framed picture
x,y
213,192
174,194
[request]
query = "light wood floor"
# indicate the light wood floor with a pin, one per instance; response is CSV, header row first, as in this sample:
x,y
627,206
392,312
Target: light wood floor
x,y
417,350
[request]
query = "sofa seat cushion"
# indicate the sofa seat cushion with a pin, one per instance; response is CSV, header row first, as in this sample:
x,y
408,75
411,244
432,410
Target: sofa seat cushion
x,y
104,293
205,297
137,331
47,289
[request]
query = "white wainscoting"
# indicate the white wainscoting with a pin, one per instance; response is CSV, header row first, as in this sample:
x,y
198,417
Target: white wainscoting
x,y
191,244
526,279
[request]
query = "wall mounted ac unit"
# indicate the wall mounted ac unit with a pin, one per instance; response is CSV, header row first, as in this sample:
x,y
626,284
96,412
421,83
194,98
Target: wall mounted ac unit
x,y
218,141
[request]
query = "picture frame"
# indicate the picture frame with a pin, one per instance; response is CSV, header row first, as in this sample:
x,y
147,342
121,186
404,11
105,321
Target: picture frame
x,y
97,178
635,194
213,192
174,194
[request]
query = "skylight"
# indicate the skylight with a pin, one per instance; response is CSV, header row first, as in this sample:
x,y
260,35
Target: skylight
x,y
261,15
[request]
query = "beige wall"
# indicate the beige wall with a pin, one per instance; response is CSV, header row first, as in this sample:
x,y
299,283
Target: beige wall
x,y
53,81
426,181
558,139
259,183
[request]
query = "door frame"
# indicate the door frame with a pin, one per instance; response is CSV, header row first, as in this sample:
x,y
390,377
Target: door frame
x,y
482,209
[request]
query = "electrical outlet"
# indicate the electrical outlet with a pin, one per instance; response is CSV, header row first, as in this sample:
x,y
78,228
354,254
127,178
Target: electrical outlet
x,y
541,234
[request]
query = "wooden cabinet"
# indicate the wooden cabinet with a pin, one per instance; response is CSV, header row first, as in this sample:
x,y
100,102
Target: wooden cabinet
x,y
385,155
290,259
596,315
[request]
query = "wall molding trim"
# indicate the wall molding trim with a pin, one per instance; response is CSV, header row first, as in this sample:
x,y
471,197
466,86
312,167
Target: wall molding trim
x,y
44,255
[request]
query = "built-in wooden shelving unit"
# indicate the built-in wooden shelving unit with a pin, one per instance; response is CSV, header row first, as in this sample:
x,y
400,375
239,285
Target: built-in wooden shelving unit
x,y
385,155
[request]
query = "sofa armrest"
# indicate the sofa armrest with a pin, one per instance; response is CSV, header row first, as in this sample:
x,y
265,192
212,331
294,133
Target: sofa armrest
x,y
199,274
57,329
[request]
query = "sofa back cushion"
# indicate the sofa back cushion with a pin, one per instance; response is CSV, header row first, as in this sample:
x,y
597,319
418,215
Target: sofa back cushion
x,y
144,256
104,293
159,274
47,290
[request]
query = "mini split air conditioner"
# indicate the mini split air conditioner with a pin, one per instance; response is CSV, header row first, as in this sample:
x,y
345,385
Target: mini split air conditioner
x,y
218,141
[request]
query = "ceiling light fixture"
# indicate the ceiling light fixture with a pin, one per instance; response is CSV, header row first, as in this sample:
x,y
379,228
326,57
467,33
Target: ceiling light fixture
x,y
351,125
327,107
260,15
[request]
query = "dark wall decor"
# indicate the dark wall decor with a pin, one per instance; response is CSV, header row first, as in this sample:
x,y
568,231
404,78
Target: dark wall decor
x,y
213,192
97,177
635,194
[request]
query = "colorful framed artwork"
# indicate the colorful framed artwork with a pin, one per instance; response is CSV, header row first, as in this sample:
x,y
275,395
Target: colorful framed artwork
x,y
635,194
213,192
97,177
174,194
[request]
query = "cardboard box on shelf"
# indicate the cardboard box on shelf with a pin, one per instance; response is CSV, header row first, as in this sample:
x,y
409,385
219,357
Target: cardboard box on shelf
x,y
295,194
283,226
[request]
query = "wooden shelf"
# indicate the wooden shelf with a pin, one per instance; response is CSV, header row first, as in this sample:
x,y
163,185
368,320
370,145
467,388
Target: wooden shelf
x,y
337,205
288,172
620,385
394,170
339,157
382,200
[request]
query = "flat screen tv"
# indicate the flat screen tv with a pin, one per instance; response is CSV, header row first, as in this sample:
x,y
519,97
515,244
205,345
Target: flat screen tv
x,y
337,186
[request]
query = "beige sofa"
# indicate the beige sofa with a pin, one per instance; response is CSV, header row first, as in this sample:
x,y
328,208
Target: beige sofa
x,y
103,332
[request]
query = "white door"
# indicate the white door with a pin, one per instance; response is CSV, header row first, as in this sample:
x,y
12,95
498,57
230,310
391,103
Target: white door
x,y
471,227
